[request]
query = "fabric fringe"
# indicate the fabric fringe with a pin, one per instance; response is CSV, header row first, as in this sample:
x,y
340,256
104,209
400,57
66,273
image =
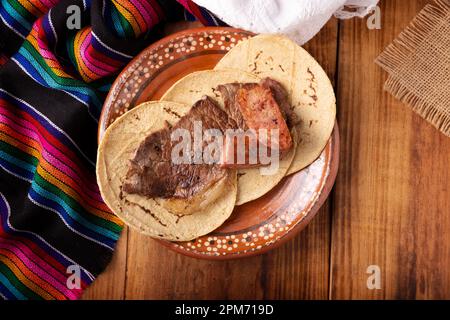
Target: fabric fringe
x,y
399,51
436,117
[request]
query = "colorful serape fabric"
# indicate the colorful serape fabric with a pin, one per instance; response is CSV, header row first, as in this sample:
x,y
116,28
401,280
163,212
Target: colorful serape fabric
x,y
56,233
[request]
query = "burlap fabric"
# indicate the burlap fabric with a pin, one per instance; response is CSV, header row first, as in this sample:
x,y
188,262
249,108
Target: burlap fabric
x,y
418,64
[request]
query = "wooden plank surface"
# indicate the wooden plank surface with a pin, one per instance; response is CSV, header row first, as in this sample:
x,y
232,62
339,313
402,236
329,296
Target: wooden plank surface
x,y
390,205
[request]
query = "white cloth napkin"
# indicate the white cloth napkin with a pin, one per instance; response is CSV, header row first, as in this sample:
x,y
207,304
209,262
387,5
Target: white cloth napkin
x,y
298,19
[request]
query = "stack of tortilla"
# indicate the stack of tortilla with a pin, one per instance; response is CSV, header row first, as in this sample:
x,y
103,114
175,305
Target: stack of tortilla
x,y
311,97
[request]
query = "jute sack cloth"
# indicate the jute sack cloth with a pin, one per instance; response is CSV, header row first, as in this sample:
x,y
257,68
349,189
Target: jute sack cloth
x,y
418,64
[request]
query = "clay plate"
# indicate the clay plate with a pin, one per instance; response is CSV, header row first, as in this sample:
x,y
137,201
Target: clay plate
x,y
254,227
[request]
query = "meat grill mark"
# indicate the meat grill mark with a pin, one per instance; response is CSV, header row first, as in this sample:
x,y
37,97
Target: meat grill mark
x,y
168,124
313,77
149,212
170,111
216,94
179,216
121,192
311,86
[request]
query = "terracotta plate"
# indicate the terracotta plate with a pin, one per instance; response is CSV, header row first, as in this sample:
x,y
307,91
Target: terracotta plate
x,y
257,226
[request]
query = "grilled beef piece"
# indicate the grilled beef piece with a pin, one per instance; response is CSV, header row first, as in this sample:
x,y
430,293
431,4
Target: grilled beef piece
x,y
282,98
152,173
257,106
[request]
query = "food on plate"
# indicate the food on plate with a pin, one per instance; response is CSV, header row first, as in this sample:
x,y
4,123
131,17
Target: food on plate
x,y
175,169
252,184
212,197
152,171
309,89
258,106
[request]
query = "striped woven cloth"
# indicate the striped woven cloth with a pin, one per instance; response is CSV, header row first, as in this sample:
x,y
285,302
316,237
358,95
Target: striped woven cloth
x,y
56,233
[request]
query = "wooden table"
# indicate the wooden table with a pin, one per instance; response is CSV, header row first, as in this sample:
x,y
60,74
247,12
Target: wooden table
x,y
390,206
